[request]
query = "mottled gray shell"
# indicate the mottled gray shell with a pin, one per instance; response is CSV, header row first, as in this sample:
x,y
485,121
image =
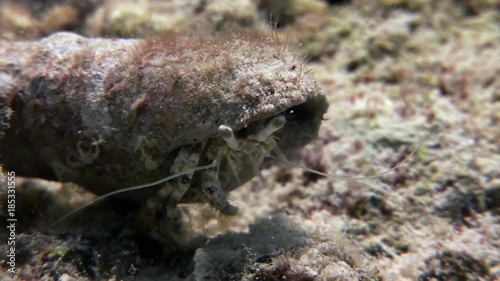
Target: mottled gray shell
x,y
113,113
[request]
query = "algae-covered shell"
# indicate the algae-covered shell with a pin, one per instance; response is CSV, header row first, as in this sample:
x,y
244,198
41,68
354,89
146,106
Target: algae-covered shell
x,y
113,113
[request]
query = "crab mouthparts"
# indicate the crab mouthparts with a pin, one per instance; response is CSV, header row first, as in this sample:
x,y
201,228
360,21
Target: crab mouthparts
x,y
238,160
240,154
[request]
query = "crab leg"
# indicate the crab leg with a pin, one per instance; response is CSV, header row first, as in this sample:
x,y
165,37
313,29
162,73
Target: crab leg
x,y
173,191
214,193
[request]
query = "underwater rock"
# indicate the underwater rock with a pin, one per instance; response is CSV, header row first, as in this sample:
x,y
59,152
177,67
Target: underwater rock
x,y
110,114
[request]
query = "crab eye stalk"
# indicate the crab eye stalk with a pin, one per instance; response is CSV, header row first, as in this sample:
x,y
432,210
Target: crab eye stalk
x,y
227,134
276,123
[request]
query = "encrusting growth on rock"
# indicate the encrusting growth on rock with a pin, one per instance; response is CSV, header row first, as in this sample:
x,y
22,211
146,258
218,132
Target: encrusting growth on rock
x,y
113,113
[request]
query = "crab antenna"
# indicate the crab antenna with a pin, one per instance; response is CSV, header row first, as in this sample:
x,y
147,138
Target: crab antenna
x,y
142,186
281,156
226,133
275,124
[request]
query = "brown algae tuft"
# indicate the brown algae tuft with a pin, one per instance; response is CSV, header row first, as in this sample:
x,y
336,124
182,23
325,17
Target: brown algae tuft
x,y
114,113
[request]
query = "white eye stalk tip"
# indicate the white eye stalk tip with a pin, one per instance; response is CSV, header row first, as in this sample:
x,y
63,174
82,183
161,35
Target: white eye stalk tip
x,y
226,133
277,123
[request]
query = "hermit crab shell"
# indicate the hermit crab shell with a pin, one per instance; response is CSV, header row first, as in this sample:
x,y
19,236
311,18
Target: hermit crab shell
x,y
113,113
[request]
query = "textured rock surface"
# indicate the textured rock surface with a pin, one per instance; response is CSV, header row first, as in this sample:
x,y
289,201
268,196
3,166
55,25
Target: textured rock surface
x,y
110,114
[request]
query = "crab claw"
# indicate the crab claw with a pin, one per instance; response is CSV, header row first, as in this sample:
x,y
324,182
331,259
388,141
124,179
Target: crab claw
x,y
217,199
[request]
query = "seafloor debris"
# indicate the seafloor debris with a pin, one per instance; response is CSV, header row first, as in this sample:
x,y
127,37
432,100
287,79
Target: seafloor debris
x,y
27,19
133,18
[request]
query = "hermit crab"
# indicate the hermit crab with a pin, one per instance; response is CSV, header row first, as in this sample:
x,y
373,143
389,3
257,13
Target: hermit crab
x,y
109,114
